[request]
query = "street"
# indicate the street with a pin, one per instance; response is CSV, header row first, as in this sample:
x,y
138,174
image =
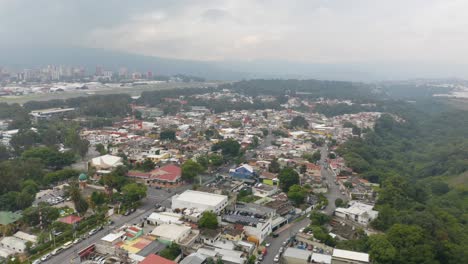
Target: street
x,y
153,197
332,194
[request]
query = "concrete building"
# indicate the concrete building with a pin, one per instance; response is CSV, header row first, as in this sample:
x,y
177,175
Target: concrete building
x,y
296,256
171,233
106,162
164,218
357,212
202,201
46,114
349,257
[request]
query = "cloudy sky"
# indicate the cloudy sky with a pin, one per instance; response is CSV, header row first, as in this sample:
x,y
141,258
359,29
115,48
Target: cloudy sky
x,y
316,31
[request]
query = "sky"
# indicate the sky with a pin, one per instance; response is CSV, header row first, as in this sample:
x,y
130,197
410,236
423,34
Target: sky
x,y
306,31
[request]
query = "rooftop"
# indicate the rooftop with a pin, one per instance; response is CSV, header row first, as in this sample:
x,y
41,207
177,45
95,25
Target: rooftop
x,y
7,217
201,197
296,253
170,231
155,259
347,254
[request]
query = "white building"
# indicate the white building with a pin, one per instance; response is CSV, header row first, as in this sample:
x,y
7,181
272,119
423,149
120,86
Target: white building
x,y
296,256
164,218
171,233
106,162
202,201
346,257
357,212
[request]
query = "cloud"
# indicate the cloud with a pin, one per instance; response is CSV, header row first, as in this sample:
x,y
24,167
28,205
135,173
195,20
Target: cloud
x,y
330,31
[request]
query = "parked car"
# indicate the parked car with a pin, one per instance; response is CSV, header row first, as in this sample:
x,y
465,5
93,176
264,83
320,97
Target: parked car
x,y
67,245
92,232
77,240
37,261
275,235
281,250
56,251
267,244
46,257
276,259
260,257
127,213
285,242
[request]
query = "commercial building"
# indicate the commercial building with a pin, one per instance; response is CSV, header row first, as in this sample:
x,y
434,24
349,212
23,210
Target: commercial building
x,y
202,201
171,233
341,256
296,256
357,212
46,114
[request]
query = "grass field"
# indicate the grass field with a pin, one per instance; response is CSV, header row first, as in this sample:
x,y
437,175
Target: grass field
x,y
133,91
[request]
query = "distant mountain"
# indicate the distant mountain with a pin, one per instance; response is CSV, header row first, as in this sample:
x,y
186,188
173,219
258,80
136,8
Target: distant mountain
x,y
33,56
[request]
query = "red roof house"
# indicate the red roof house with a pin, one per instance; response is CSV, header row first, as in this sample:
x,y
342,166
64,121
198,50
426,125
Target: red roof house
x,y
71,219
169,173
155,259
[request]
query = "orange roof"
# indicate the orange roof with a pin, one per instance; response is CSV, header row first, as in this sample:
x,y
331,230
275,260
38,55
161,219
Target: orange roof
x,y
71,219
155,259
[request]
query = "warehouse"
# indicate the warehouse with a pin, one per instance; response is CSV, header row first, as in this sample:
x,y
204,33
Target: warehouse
x,y
202,201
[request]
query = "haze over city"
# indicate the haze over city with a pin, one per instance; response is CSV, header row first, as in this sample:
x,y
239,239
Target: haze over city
x,y
329,38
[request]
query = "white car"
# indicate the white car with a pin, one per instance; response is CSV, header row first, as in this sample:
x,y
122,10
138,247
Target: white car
x,y
301,230
276,259
45,257
267,244
281,250
37,261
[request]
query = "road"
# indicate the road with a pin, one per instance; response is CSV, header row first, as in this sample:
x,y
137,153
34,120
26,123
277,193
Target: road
x,y
333,189
154,196
276,243
332,194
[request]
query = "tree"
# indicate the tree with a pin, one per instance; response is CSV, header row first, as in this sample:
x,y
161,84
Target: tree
x,y
208,220
318,218
100,148
381,250
190,169
167,135
50,157
146,165
314,157
81,206
297,194
339,202
303,169
133,192
4,153
43,213
439,187
98,198
274,166
288,177
171,252
228,147
299,122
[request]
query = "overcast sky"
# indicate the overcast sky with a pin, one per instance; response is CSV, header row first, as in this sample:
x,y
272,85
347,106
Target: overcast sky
x,y
317,31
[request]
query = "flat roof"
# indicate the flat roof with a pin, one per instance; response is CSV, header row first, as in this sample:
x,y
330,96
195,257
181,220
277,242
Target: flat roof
x,y
201,197
113,236
296,253
347,254
170,231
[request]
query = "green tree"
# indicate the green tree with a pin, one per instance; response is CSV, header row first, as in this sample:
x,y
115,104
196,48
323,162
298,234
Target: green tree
x,y
190,169
318,218
274,166
228,147
299,122
297,194
134,192
146,165
288,177
339,202
101,149
381,250
167,135
171,252
208,220
73,190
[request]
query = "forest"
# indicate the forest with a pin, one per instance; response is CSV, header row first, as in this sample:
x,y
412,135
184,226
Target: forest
x,y
424,216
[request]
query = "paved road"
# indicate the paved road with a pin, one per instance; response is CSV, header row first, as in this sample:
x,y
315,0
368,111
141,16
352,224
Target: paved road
x,y
333,189
333,193
276,243
154,196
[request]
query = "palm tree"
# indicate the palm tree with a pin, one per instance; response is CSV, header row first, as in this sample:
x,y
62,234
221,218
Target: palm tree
x,y
81,206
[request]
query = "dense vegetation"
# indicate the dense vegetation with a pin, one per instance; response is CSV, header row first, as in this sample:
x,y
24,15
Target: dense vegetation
x,y
425,220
